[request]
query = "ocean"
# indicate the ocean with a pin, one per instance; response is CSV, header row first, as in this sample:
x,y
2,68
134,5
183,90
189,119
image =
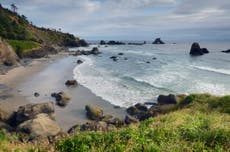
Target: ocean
x,y
145,71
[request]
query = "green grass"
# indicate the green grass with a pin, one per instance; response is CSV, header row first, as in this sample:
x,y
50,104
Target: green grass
x,y
21,46
202,124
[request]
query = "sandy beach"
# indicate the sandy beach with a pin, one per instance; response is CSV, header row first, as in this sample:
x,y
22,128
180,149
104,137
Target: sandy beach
x,y
45,76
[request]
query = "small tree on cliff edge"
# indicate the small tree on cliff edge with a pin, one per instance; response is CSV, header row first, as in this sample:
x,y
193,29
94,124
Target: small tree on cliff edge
x,y
14,8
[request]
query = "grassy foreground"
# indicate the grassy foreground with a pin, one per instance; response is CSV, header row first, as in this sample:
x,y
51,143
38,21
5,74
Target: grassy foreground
x,y
200,122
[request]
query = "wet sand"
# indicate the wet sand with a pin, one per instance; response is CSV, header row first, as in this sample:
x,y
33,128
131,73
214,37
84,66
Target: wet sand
x,y
46,76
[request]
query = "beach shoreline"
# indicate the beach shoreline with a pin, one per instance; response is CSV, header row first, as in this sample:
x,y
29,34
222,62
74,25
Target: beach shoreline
x,y
20,84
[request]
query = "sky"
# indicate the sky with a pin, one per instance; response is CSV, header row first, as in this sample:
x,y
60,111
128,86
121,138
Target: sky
x,y
172,20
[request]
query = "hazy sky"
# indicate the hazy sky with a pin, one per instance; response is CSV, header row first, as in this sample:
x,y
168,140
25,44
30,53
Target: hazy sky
x,y
175,20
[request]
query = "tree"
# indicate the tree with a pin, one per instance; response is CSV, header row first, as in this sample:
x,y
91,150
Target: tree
x,y
14,8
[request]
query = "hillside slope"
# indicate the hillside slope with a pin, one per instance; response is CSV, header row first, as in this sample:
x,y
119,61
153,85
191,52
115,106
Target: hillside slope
x,y
7,55
16,27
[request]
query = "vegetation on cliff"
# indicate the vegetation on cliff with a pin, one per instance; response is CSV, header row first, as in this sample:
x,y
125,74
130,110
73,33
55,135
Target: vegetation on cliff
x,y
27,36
200,122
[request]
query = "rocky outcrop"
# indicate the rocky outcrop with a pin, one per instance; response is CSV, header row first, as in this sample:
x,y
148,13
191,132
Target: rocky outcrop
x,y
93,112
226,51
114,58
79,61
69,83
31,121
83,43
7,55
102,42
133,43
167,99
94,51
196,50
40,125
129,119
62,98
29,111
39,53
158,41
112,42
141,112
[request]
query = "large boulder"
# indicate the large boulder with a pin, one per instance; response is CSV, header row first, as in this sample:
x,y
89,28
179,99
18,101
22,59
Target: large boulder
x,y
167,99
141,107
30,111
196,50
93,112
95,51
158,41
97,126
62,98
132,110
7,55
116,122
130,119
83,43
102,42
40,125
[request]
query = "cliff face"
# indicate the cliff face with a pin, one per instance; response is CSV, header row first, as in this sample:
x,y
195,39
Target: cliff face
x,y
7,55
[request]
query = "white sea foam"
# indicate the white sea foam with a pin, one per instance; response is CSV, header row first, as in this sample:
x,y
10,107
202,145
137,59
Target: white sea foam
x,y
109,88
125,83
222,71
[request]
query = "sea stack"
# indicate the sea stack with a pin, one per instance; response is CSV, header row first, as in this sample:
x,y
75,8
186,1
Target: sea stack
x,y
158,41
196,50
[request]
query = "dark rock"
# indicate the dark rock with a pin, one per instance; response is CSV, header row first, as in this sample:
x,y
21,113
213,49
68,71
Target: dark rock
x,y
36,94
116,122
226,51
83,43
97,126
115,43
106,118
5,126
120,53
129,119
141,107
71,83
154,58
74,129
79,61
102,42
170,99
40,125
132,110
158,41
147,62
161,109
196,50
62,98
8,63
132,43
113,57
95,51
29,111
204,50
93,112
